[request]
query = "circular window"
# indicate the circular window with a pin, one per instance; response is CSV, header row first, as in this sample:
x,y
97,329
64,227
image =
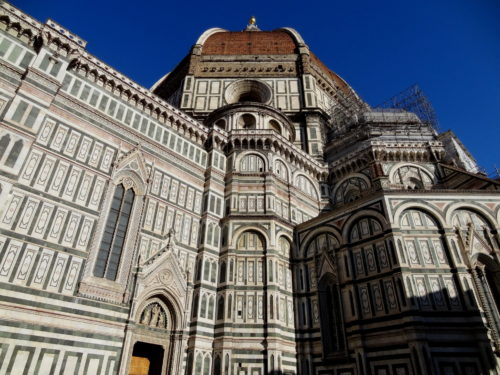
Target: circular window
x,y
248,91
246,121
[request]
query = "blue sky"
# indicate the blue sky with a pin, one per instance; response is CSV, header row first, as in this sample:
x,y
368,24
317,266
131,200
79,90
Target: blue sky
x,y
450,48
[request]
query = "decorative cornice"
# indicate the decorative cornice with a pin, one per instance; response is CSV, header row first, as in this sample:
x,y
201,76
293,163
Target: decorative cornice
x,y
88,66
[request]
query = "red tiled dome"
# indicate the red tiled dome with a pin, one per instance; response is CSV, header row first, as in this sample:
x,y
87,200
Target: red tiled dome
x,y
249,43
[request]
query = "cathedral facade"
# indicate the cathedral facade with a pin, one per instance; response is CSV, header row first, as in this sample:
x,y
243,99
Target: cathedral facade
x,y
249,214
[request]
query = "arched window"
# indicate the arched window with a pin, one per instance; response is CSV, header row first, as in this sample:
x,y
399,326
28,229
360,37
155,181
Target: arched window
x,y
281,170
231,270
222,272
252,163
226,365
250,240
4,143
211,305
306,186
220,308
189,369
350,190
229,305
199,265
14,154
422,249
424,246
206,365
196,300
198,365
271,307
365,228
213,272
206,270
412,177
284,247
332,330
217,366
210,234
324,242
216,236
110,249
203,307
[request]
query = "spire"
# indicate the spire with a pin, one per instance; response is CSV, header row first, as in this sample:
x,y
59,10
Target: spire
x,y
252,24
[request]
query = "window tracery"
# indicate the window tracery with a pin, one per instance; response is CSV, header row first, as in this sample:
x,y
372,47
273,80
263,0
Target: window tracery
x,y
364,228
350,190
424,250
250,240
284,247
332,329
305,185
324,242
412,177
115,231
252,163
465,220
281,170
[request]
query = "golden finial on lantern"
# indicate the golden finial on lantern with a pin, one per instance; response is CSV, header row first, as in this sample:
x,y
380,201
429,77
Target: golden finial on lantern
x,y
252,20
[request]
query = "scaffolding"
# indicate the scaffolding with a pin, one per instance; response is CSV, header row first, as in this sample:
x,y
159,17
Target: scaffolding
x,y
411,106
346,111
411,100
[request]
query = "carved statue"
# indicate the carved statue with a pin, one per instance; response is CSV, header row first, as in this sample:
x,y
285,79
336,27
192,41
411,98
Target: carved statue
x,y
161,320
156,310
146,316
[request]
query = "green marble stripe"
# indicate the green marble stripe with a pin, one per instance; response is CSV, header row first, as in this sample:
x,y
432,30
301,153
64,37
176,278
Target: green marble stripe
x,y
31,303
39,242
68,354
3,351
57,341
89,358
56,199
62,331
40,86
18,348
77,300
18,261
44,351
10,79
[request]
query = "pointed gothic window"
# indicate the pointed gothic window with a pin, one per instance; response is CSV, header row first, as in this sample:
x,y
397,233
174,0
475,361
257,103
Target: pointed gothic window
x,y
222,272
331,316
110,249
14,154
220,308
217,366
206,365
4,143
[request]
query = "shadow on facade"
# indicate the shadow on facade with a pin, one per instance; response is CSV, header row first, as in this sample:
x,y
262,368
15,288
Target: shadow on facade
x,y
438,333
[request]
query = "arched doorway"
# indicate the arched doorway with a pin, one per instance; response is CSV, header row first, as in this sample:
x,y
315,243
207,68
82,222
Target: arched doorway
x,y
153,345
